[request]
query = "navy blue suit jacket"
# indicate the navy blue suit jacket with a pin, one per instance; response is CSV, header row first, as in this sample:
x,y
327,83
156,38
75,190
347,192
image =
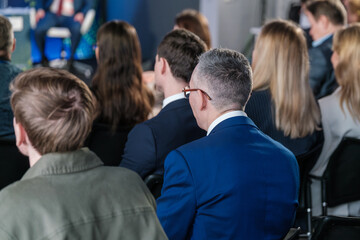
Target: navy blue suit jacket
x,y
79,5
149,142
322,77
236,183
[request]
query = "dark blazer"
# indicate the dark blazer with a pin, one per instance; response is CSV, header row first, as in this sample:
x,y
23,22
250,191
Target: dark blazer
x,y
322,77
261,110
79,5
8,73
236,183
108,145
149,142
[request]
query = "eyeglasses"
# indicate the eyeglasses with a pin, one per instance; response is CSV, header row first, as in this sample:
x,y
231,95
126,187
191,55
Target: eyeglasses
x,y
187,90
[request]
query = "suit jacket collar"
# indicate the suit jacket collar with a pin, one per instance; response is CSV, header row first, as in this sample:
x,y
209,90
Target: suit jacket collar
x,y
176,104
234,121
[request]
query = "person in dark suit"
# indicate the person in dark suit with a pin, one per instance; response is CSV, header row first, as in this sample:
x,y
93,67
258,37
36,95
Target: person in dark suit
x,y
235,183
8,72
325,18
149,142
60,13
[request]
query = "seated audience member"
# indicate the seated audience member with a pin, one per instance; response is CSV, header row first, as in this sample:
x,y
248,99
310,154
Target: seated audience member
x,y
235,183
340,111
149,142
68,193
195,22
7,72
353,10
282,104
59,13
325,18
122,99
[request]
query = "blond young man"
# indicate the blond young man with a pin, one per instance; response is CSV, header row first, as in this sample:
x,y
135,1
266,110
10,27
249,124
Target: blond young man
x,y
67,193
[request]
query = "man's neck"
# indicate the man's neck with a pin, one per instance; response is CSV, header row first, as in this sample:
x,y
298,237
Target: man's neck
x,y
173,86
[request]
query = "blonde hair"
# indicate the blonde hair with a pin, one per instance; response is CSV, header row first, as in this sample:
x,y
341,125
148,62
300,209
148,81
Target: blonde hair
x,y
281,64
346,44
55,108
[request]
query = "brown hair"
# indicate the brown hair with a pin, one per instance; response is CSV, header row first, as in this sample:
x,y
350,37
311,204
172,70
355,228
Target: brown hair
x,y
6,37
122,96
195,22
282,65
55,108
332,10
346,45
181,49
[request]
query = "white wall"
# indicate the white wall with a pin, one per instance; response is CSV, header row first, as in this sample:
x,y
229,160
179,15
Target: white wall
x,y
231,20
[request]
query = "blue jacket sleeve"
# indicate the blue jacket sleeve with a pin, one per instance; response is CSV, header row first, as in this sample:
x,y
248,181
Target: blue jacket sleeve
x,y
177,203
140,151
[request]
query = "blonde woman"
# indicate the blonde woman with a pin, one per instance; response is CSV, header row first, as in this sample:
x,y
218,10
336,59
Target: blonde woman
x,y
282,104
341,110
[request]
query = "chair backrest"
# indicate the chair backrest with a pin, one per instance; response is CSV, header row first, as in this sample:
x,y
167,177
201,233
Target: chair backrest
x,y
306,162
342,175
13,164
154,182
335,228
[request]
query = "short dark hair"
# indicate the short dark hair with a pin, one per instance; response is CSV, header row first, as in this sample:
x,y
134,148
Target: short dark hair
x,y
335,12
181,49
6,37
55,108
226,76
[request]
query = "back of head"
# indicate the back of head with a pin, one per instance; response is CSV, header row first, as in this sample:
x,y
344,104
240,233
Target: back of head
x,y
226,76
281,64
181,49
346,45
54,107
334,11
117,84
195,22
6,37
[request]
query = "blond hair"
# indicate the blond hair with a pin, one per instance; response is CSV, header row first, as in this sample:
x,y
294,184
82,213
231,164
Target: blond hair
x,y
346,44
281,65
54,107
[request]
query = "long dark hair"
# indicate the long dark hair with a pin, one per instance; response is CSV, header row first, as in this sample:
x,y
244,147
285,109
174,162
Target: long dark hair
x,y
122,96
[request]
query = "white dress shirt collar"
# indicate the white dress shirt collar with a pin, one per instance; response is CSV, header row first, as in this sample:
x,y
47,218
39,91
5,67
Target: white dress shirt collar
x,y
172,98
223,117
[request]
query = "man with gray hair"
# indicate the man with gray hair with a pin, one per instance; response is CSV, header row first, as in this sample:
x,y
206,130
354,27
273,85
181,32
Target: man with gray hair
x,y
8,72
235,183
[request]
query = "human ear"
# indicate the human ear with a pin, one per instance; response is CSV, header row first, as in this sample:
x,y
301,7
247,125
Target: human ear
x,y
21,138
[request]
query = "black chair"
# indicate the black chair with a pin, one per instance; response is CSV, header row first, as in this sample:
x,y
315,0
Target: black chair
x,y
335,228
303,214
13,164
340,182
154,182
293,234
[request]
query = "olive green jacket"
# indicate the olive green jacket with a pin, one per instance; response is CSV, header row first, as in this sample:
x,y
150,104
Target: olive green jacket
x,y
72,196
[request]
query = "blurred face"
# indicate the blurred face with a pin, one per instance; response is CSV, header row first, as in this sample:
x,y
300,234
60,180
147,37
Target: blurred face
x,y
334,59
317,29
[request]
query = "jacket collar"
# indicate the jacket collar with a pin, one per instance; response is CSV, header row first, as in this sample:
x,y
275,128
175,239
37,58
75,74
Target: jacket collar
x,y
62,163
234,121
176,104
